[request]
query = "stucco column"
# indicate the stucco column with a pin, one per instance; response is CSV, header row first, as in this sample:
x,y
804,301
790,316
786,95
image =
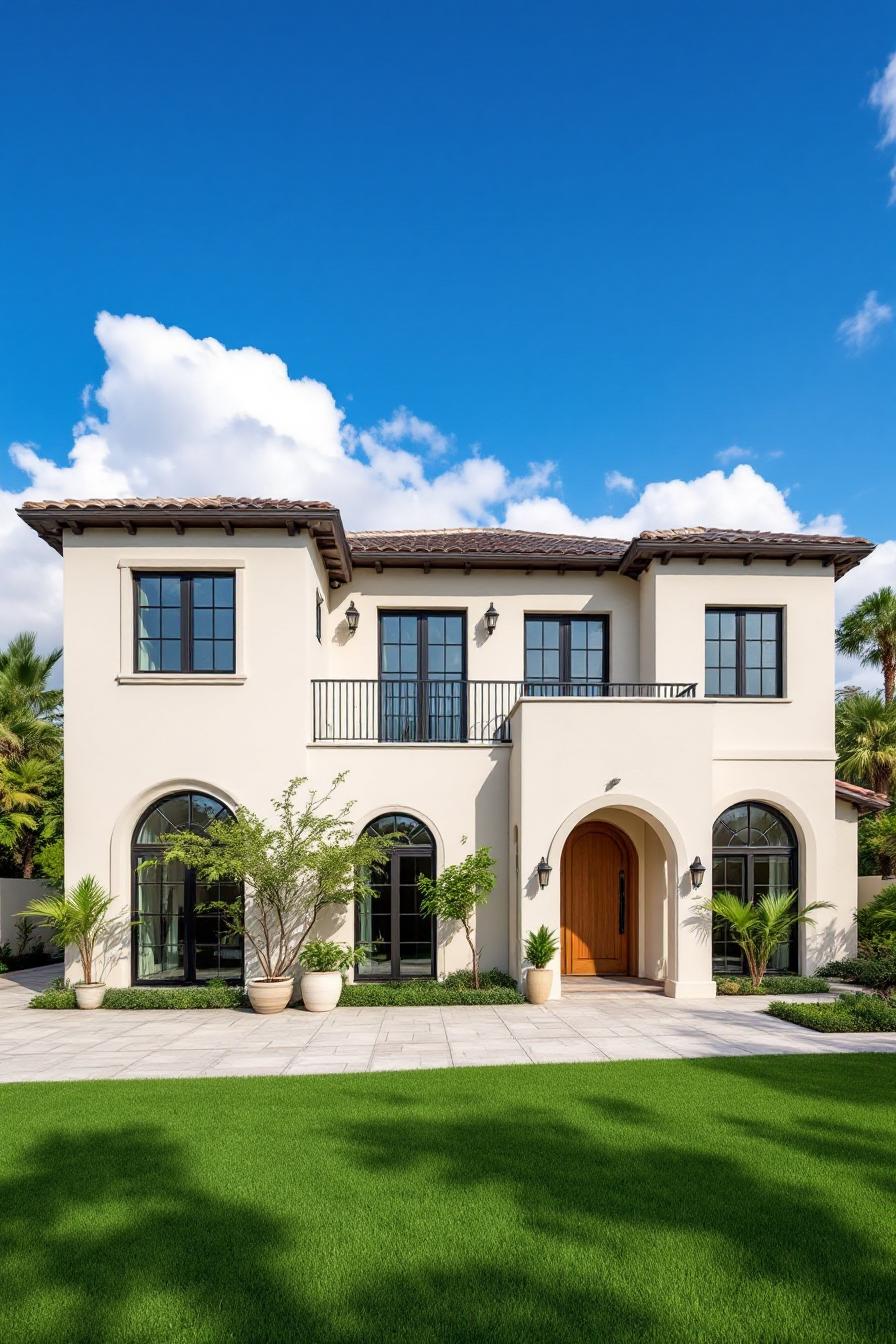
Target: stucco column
x,y
690,940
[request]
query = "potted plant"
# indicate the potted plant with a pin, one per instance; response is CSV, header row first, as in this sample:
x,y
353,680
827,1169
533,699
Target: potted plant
x,y
78,918
540,948
308,858
758,927
324,965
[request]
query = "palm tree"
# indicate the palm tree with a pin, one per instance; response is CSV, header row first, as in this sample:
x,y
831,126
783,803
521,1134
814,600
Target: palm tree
x,y
27,787
78,917
868,633
758,927
866,741
30,711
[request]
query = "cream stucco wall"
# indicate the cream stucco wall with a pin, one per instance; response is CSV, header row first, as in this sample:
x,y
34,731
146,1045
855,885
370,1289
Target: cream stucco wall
x,y
129,740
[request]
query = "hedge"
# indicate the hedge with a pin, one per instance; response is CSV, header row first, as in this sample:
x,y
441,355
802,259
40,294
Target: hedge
x,y
422,994
851,1012
214,995
772,984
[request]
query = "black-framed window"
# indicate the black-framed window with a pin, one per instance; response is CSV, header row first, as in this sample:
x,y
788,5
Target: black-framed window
x,y
566,655
754,853
400,938
423,667
743,651
184,622
174,940
318,615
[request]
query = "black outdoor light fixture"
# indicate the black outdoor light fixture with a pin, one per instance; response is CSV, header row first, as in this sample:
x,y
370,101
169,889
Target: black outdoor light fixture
x,y
697,871
544,873
352,616
491,619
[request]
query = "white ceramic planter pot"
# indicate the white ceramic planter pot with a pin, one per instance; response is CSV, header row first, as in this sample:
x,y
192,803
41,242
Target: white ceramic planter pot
x,y
321,990
270,996
538,984
90,996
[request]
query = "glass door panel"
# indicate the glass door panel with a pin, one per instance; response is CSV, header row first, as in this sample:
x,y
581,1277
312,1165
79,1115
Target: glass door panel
x,y
161,897
444,645
771,874
400,938
399,674
729,873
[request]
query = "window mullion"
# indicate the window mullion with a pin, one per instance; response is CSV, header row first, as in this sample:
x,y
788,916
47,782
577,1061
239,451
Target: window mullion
x,y
186,642
740,656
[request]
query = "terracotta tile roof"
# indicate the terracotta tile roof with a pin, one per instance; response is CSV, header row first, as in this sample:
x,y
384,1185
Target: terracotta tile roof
x,y
700,536
448,547
866,800
241,503
52,518
480,541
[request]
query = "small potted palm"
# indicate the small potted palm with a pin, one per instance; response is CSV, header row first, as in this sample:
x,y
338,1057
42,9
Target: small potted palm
x,y
78,918
324,965
540,948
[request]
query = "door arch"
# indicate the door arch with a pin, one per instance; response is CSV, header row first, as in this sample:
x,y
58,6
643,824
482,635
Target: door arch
x,y
173,942
598,902
755,852
400,938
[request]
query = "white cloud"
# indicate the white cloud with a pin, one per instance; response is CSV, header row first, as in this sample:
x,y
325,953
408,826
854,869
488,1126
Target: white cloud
x,y
741,499
733,454
883,97
402,424
614,480
858,331
180,416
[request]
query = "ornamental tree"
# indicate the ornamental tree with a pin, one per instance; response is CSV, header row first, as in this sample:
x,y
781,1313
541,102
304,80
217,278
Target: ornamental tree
x,y
456,892
309,857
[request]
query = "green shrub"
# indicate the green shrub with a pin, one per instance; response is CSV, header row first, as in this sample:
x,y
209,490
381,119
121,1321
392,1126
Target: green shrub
x,y
851,1012
877,973
421,994
540,947
321,955
216,994
772,984
493,979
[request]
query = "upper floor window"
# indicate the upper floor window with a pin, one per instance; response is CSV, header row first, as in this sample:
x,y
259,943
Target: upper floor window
x,y
422,676
566,651
318,616
743,651
184,622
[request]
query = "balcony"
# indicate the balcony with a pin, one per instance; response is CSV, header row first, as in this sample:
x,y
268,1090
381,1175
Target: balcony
x,y
450,710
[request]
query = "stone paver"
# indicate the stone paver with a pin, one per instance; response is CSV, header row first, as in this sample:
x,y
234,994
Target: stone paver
x,y
38,1046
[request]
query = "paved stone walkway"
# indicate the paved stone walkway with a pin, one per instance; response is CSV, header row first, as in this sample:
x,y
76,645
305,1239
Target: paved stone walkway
x,y
44,1046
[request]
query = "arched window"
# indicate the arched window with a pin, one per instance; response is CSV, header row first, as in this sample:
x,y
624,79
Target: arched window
x,y
401,939
174,943
754,852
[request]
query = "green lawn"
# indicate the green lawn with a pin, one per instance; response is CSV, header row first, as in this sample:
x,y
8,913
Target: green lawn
x,y
699,1201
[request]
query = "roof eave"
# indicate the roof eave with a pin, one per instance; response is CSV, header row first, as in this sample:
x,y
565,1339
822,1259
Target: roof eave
x,y
324,525
641,554
480,560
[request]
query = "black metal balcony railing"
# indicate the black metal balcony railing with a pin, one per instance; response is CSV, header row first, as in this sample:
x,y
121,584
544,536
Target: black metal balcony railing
x,y
400,709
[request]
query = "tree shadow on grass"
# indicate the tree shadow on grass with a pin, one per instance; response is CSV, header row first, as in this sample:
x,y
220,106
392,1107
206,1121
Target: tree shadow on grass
x,y
701,1209
107,1238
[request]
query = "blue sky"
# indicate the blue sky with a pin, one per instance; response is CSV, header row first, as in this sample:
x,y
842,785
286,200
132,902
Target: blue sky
x,y
619,237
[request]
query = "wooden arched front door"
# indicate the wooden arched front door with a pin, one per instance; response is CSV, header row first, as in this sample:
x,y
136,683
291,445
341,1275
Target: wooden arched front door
x,y
598,902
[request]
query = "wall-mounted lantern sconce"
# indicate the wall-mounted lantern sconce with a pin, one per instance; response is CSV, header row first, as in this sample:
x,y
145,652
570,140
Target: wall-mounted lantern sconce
x,y
352,616
697,871
544,873
491,619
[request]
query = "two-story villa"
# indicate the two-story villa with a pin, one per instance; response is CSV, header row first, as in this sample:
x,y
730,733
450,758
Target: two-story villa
x,y
609,717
